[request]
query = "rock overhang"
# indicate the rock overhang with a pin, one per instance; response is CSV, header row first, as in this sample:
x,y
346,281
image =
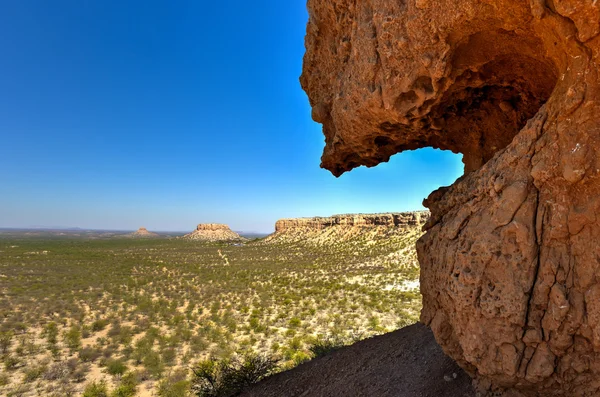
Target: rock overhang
x,y
458,77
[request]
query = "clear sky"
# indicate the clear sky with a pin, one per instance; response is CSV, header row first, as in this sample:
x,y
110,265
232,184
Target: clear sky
x,y
165,114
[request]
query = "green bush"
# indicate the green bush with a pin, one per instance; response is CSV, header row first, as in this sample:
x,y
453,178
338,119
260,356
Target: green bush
x,y
95,389
5,341
51,333
4,379
127,386
89,354
325,345
99,325
34,373
73,338
294,322
153,363
11,362
169,356
116,367
175,385
226,378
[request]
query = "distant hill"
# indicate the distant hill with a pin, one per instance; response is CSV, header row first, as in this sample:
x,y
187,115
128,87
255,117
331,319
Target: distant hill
x,y
213,232
142,232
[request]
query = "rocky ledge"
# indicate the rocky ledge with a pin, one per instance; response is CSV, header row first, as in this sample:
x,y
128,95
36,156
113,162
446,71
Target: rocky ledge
x,y
401,219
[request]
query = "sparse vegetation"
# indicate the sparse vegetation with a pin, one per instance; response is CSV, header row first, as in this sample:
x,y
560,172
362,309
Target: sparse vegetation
x,y
116,317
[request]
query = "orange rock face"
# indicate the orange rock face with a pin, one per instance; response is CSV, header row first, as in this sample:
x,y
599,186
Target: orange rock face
x,y
510,263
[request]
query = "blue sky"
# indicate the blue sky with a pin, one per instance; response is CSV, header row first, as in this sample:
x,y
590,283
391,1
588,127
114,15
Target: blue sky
x,y
164,114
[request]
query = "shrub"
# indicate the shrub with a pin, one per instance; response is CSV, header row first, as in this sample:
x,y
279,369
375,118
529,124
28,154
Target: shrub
x,y
20,391
57,371
73,338
95,389
99,325
51,332
4,379
127,387
227,378
175,385
79,373
116,367
325,345
294,322
5,341
11,363
300,357
89,354
34,373
142,348
153,363
169,356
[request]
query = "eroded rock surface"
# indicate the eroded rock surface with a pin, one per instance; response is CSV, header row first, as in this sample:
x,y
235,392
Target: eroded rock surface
x,y
212,232
510,261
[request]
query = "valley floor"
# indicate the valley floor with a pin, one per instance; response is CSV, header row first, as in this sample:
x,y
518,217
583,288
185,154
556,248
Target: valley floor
x,y
74,311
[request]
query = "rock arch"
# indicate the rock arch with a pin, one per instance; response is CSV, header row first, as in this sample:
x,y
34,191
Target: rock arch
x,y
510,261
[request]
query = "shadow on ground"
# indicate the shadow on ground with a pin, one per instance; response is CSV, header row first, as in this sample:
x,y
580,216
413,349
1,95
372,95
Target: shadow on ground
x,y
404,363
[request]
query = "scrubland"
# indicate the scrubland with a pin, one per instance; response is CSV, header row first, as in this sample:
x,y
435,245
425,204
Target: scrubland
x,y
123,317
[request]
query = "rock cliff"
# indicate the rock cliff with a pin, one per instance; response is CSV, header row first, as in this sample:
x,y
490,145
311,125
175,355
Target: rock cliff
x,y
360,230
405,219
510,262
212,232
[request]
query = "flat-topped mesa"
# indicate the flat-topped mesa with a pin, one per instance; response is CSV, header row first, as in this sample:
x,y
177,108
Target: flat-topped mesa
x,y
213,232
416,218
212,226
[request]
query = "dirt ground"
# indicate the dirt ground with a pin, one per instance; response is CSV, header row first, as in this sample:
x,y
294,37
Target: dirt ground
x,y
404,363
